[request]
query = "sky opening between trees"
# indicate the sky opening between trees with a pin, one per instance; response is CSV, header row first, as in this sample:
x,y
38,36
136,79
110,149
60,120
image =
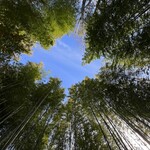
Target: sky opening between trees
x,y
110,111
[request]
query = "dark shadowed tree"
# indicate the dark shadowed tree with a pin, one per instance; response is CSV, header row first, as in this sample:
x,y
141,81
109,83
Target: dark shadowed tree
x,y
119,31
116,99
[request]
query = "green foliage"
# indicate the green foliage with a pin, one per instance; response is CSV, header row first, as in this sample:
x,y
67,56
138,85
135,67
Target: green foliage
x,y
32,115
119,31
119,94
127,88
23,97
23,23
74,129
94,117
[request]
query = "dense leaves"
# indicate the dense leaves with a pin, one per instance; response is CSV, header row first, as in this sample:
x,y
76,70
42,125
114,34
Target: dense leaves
x,y
26,104
119,30
23,23
115,94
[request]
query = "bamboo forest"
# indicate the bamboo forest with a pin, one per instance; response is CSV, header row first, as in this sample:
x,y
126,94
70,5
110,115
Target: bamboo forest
x,y
110,111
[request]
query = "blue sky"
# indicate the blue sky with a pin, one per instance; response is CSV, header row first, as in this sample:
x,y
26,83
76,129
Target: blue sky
x,y
64,60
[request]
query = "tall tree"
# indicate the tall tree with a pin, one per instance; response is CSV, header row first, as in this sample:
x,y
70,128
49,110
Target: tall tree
x,y
116,99
119,31
27,106
23,23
